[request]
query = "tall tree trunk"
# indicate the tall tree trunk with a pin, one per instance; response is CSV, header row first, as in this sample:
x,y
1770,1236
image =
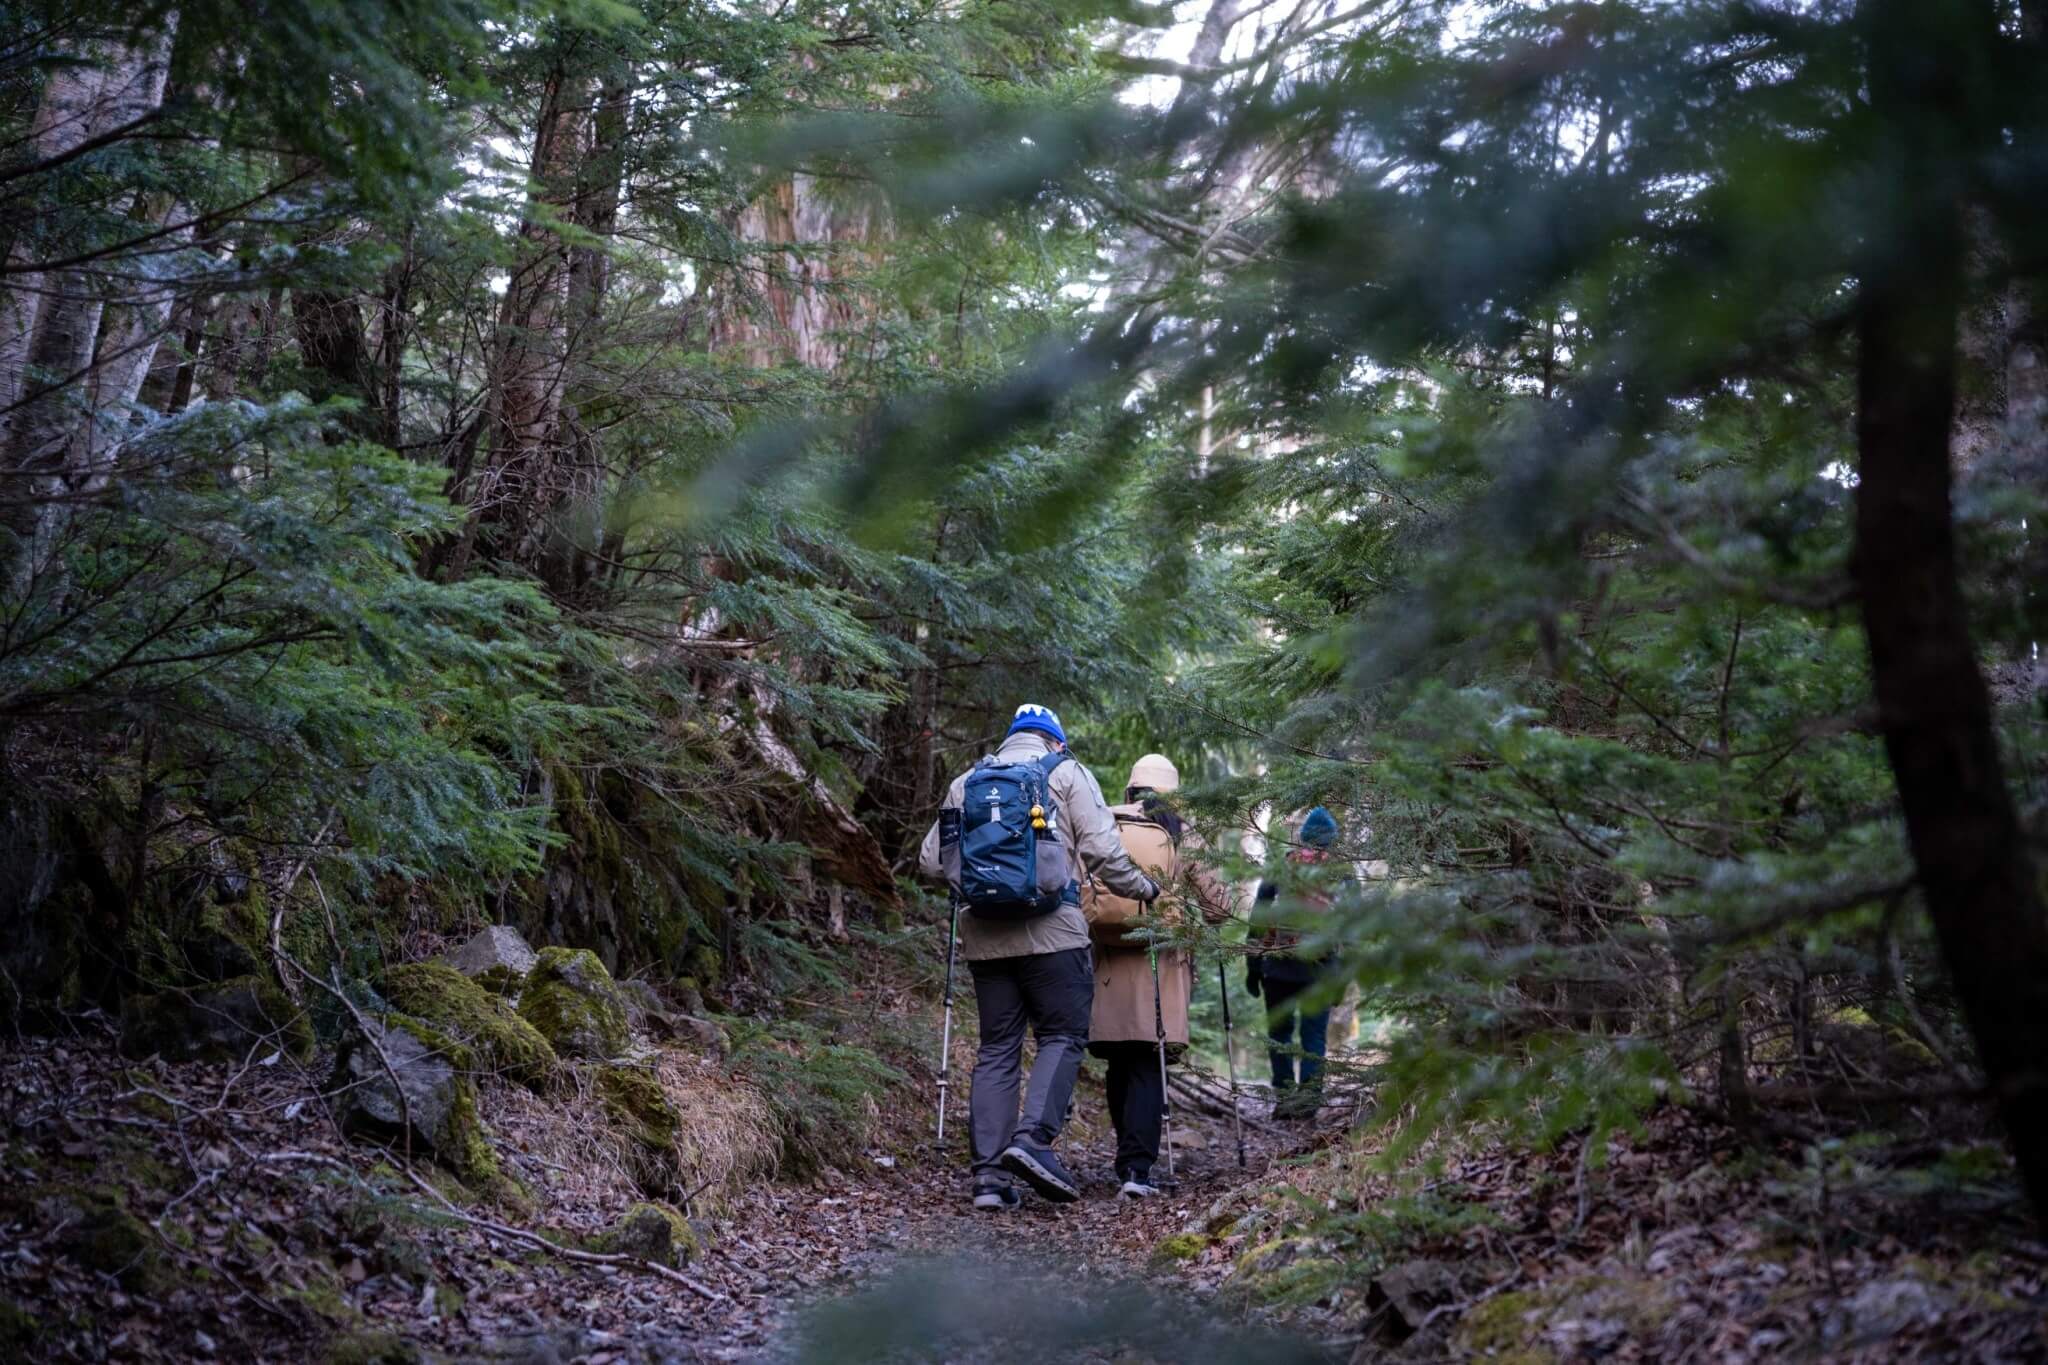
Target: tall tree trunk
x,y
335,345
796,304
563,556
530,359
130,334
1935,710
48,445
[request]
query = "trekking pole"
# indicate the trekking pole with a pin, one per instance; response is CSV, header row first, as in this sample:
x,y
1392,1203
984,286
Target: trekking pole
x,y
1165,1097
1230,1059
946,1034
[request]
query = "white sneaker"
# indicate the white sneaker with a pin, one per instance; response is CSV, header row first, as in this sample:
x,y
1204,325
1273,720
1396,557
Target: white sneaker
x,y
1137,1189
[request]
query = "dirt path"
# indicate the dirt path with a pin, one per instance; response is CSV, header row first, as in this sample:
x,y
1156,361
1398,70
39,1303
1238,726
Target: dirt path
x,y
897,1264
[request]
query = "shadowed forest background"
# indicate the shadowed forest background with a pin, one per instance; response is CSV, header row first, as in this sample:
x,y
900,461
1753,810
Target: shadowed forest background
x,y
601,467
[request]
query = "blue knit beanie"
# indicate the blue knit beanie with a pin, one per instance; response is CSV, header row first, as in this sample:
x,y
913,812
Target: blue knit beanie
x,y
1319,828
1031,716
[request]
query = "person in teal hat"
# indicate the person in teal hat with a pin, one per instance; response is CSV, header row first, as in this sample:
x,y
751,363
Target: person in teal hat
x,y
1278,969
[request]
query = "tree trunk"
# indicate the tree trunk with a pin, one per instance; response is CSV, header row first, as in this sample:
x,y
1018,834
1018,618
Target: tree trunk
x,y
130,334
69,111
561,556
531,357
1935,710
51,440
796,304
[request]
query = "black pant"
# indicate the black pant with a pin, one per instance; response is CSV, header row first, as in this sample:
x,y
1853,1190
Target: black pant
x,y
1054,994
1315,1032
1137,1105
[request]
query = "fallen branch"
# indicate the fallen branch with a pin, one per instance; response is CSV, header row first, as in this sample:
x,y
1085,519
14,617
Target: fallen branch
x,y
604,1258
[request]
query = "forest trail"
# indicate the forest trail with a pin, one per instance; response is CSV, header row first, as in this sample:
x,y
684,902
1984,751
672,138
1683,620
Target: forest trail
x,y
891,1260
192,1211
184,1211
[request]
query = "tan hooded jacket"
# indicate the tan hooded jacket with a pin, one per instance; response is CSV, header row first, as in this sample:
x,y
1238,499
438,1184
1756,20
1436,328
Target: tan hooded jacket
x,y
1087,827
1123,975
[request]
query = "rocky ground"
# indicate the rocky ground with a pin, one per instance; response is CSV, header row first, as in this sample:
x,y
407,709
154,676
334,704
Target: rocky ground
x,y
637,1205
190,1211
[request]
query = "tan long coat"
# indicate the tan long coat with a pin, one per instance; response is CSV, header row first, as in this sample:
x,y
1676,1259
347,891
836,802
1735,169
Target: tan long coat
x,y
1123,976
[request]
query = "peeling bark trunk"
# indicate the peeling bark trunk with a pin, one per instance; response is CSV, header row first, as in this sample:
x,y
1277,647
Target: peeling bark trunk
x,y
54,443
1935,711
796,305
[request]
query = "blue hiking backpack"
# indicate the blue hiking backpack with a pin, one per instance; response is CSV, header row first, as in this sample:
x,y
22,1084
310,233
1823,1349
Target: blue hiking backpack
x,y
1011,863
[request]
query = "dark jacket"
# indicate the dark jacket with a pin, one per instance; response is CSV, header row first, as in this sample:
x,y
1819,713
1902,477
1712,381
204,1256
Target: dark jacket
x,y
1278,928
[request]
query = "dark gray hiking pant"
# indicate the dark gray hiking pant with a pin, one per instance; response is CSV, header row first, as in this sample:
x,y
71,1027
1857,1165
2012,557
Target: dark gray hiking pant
x,y
1053,994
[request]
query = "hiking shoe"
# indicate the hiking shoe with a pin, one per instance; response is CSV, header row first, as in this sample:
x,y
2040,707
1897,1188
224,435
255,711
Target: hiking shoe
x,y
993,1196
1137,1187
1037,1167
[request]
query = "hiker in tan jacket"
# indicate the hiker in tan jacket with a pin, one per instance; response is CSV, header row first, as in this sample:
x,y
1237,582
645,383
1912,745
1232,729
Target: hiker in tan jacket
x,y
1124,1030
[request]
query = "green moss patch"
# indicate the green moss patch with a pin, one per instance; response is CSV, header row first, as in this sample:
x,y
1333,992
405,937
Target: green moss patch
x,y
101,1235
500,1039
1506,1327
635,1099
652,1232
370,1348
574,1003
1182,1246
218,1023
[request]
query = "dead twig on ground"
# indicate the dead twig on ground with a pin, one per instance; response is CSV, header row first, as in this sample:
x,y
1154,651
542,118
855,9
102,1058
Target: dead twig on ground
x,y
602,1258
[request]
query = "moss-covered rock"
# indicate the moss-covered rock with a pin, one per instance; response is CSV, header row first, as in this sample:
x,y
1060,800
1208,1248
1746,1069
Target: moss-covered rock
x,y
219,1023
652,1232
1181,1246
575,1004
370,1348
403,1077
100,1234
636,1102
635,1099
500,1039
500,981
1507,1327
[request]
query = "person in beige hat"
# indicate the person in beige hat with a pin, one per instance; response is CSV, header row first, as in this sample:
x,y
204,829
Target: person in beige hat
x,y
1141,1013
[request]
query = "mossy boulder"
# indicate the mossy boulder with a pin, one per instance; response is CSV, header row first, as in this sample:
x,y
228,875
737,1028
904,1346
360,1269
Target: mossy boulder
x,y
500,981
575,1004
636,1101
1507,1327
217,1023
500,1040
402,1078
371,1348
642,1110
101,1235
652,1232
1181,1246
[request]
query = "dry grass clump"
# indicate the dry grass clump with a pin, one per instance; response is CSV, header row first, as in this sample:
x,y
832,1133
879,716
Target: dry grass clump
x,y
728,1136
587,1165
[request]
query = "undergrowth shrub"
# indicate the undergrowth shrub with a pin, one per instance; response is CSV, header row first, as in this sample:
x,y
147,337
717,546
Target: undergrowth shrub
x,y
826,1096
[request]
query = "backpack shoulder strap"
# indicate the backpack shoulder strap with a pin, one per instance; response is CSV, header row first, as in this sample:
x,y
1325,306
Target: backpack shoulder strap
x,y
1053,758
